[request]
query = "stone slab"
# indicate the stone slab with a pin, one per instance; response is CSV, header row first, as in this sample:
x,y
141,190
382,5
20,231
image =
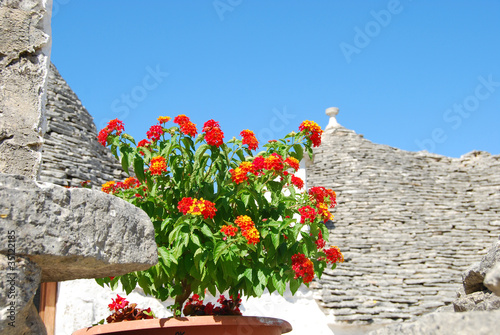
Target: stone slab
x,y
74,233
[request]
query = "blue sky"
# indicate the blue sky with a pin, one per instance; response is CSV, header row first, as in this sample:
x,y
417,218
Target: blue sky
x,y
411,74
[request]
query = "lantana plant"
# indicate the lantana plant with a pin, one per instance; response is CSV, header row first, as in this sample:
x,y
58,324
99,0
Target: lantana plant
x,y
226,217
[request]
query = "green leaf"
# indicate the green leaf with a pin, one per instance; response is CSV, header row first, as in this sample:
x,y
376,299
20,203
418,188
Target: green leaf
x,y
279,284
294,285
139,168
219,250
206,231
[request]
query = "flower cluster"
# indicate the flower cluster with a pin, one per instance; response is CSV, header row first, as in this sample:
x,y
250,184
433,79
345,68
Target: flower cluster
x,y
249,139
158,165
197,207
303,267
187,127
333,255
248,229
229,230
213,133
194,306
123,311
307,214
113,126
154,133
313,132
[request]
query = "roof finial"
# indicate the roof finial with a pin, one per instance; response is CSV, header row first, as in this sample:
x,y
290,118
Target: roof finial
x,y
332,113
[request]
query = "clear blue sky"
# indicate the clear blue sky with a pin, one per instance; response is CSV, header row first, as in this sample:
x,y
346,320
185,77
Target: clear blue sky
x,y
411,74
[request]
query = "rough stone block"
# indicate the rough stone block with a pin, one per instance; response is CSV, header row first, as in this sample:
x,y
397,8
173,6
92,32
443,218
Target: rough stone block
x,y
74,233
446,323
474,276
24,62
19,280
492,280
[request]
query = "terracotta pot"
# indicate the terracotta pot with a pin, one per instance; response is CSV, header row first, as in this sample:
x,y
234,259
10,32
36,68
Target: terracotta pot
x,y
197,325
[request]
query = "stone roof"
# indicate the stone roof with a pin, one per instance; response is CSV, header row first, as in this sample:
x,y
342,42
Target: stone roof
x,y
408,223
71,153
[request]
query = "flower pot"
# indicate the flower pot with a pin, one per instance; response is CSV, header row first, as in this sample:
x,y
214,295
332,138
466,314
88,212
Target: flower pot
x,y
197,325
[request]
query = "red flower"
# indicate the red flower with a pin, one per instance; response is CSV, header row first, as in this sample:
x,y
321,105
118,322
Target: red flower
x,y
213,133
324,195
333,255
320,242
307,213
207,126
312,132
274,162
229,230
158,165
131,182
117,303
143,144
103,136
209,210
189,128
154,133
113,125
303,267
181,119
297,182
293,163
197,207
249,138
184,205
258,163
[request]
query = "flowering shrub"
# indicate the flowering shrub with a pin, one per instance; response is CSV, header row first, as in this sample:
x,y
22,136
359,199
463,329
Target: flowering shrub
x,y
225,216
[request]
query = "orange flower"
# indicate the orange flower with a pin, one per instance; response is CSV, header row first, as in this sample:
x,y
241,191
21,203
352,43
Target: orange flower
x,y
323,211
189,128
293,163
274,162
109,187
163,119
131,182
249,138
248,229
238,175
197,207
158,165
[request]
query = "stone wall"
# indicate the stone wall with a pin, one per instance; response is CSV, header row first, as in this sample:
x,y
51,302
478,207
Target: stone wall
x,y
71,153
408,223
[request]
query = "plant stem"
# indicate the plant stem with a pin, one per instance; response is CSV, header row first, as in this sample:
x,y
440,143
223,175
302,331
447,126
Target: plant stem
x,y
181,298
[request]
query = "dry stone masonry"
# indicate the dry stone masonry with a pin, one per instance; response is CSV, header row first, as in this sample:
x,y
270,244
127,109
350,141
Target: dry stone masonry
x,y
409,223
24,62
48,232
71,152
